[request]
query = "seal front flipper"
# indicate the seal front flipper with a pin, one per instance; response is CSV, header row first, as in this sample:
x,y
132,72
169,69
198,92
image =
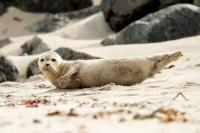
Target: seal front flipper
x,y
65,80
62,83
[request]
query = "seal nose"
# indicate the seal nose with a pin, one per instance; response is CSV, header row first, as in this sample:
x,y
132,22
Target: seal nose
x,y
47,64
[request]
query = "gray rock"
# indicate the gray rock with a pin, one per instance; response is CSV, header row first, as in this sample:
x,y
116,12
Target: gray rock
x,y
69,54
7,2
49,24
34,46
166,3
33,68
4,41
197,3
174,22
8,72
55,21
2,8
53,6
79,14
120,13
65,53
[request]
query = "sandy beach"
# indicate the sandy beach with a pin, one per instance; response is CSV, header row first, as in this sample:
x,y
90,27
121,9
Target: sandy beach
x,y
166,102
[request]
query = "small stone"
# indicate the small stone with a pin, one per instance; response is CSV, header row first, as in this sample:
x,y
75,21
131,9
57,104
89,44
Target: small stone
x,y
8,71
34,46
36,121
4,41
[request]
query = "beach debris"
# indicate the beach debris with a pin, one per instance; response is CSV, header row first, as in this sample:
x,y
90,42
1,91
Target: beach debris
x,y
31,103
37,121
56,113
164,115
171,66
34,102
180,94
17,19
71,113
108,114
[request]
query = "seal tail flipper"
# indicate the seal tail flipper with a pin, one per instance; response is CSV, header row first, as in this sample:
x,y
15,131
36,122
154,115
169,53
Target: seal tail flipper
x,y
162,60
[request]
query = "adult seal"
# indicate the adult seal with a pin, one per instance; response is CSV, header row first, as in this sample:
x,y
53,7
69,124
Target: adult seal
x,y
97,72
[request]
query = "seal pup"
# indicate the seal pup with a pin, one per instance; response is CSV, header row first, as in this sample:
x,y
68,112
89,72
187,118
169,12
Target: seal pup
x,y
97,72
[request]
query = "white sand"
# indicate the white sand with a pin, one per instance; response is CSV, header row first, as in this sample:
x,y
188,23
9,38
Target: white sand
x,y
156,92
145,97
96,2
186,45
53,41
92,27
13,22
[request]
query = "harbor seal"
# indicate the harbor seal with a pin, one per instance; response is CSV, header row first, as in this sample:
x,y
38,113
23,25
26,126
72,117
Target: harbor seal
x,y
97,72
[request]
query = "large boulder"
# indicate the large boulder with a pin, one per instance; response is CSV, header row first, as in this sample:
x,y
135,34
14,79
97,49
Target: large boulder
x,y
34,46
55,21
120,13
197,3
65,53
69,54
93,27
8,72
2,8
174,22
53,6
4,41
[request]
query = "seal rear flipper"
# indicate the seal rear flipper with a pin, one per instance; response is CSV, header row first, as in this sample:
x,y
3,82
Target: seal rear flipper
x,y
162,60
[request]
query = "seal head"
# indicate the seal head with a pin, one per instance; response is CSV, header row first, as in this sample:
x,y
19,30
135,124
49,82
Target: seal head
x,y
49,62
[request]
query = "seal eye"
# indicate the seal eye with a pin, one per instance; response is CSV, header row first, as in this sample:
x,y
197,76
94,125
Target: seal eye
x,y
42,60
53,60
